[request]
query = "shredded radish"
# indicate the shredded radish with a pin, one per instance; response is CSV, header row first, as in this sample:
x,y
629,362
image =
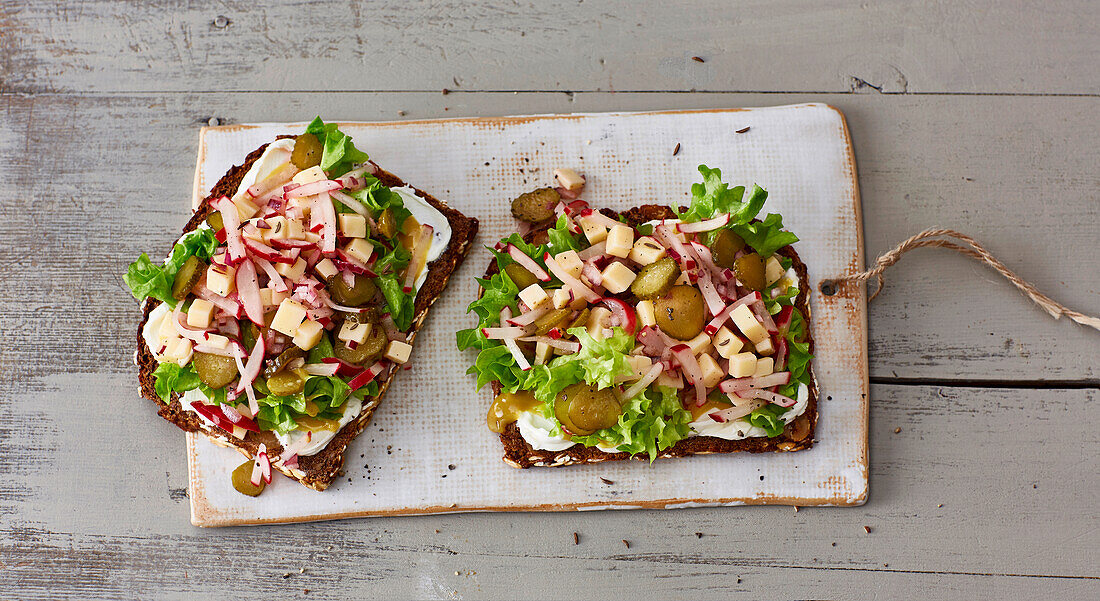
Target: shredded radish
x,y
179,320
367,375
353,180
277,178
655,342
321,369
676,249
262,467
250,371
513,348
564,345
772,397
596,250
504,333
781,354
569,194
527,263
392,333
248,291
592,273
291,243
328,220
714,302
762,314
694,373
229,351
529,317
228,306
703,226
743,384
274,279
576,285
231,220
313,188
724,415
622,314
419,256
291,451
646,380
350,202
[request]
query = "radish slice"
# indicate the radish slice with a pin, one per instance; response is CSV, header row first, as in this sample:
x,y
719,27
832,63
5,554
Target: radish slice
x,y
390,327
274,279
646,380
231,350
765,318
350,202
419,257
736,412
290,452
265,252
781,354
353,180
367,375
565,345
521,361
321,369
252,369
278,177
262,466
248,291
313,189
179,320
528,318
703,226
221,302
783,318
328,219
231,220
328,301
592,273
654,341
527,263
622,314
772,397
691,368
742,384
505,333
710,294
706,259
596,250
664,234
576,285
570,194
289,243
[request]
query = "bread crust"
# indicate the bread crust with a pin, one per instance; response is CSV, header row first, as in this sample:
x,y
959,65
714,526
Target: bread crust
x,y
518,453
315,471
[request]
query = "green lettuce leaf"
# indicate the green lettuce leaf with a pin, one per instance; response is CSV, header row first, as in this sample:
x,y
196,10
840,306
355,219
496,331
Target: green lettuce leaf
x,y
339,155
561,239
322,350
277,418
401,305
714,197
495,363
149,280
170,377
767,417
602,361
652,421
766,236
377,197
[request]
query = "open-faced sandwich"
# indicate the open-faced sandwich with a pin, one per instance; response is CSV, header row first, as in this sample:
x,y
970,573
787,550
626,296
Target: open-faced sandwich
x,y
656,332
291,301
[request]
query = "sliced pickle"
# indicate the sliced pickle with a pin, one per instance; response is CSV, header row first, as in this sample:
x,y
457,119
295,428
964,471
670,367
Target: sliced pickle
x,y
680,312
370,349
307,151
520,276
215,371
592,409
285,383
214,220
387,223
655,279
557,318
561,409
750,271
725,247
536,206
277,364
360,293
242,480
186,278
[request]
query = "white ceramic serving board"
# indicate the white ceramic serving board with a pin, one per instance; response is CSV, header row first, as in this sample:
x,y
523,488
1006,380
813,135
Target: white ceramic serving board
x,y
428,450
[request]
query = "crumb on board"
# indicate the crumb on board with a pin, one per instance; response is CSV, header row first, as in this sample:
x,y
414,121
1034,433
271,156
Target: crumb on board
x,y
867,529
576,539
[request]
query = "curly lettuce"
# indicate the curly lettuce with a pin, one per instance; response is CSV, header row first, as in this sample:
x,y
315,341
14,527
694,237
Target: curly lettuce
x,y
339,155
149,280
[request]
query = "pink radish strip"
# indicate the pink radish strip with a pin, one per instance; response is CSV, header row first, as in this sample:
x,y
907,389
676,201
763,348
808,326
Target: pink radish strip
x,y
231,220
528,318
248,291
596,250
321,369
277,178
781,354
250,371
262,250
706,259
569,194
328,219
703,226
262,466
291,243
392,333
274,279
221,302
592,273
419,256
577,286
353,180
179,320
622,314
649,377
710,294
740,384
504,333
654,341
762,314
527,263
314,188
565,345
736,412
772,397
290,452
664,234
350,202
691,368
517,354
367,375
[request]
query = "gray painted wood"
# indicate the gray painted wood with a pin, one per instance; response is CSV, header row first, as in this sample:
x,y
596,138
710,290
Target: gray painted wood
x,y
100,105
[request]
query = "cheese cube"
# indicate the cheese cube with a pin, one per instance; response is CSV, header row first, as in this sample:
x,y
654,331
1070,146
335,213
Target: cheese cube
x,y
398,351
742,365
562,297
700,344
727,343
179,350
750,326
764,367
289,316
597,321
534,297
271,298
313,237
595,232
245,208
353,331
217,341
292,272
640,364
669,380
683,279
542,353
569,179
277,228
295,229
325,268
360,250
253,231
167,328
765,347
200,313
620,241
646,315
712,374
570,262
309,334
301,205
221,280
773,271
353,225
313,174
647,250
617,277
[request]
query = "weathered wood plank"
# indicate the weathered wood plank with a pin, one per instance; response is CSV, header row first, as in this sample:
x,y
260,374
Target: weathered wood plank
x,y
1018,173
983,493
893,46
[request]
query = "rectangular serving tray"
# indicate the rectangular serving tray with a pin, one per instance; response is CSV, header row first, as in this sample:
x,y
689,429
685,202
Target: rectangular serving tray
x,y
427,449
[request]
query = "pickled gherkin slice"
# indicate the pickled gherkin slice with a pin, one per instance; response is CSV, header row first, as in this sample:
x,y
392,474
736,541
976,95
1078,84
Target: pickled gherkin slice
x,y
360,293
242,480
655,279
750,271
186,278
285,383
307,151
680,312
557,318
725,247
215,371
536,206
387,223
520,276
370,349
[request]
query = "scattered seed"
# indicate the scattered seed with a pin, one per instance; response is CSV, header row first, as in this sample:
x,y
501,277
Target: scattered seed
x,y
867,529
576,539
897,430
445,92
697,59
940,505
401,113
221,21
796,508
738,580
606,481
698,535
451,466
287,575
676,151
834,544
742,130
456,572
627,543
301,570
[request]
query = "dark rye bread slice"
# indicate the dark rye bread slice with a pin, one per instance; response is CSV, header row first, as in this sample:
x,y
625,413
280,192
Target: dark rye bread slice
x,y
798,435
315,471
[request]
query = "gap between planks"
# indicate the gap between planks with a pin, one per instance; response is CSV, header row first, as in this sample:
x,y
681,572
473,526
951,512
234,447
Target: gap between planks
x,y
977,383
109,93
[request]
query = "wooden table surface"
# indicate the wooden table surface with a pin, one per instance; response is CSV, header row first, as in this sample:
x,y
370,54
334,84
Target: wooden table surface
x,y
976,115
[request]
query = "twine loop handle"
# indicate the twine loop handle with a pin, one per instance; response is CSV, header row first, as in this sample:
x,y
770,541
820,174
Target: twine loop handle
x,y
935,237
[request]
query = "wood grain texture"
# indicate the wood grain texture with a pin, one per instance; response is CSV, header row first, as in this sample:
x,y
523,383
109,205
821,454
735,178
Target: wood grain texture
x,y
895,46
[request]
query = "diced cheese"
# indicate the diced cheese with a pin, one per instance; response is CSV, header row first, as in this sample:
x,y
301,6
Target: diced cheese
x,y
217,341
291,272
570,262
646,315
597,320
221,280
313,237
773,271
360,250
179,350
277,230
325,269
289,316
640,364
700,344
534,297
647,250
683,279
765,347
245,208
727,343
301,204
750,326
167,329
309,334
620,241
295,229
398,351
561,297
742,365
278,296
353,225
764,367
200,313
595,232
669,380
569,179
542,353
617,277
313,174
353,331
712,374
